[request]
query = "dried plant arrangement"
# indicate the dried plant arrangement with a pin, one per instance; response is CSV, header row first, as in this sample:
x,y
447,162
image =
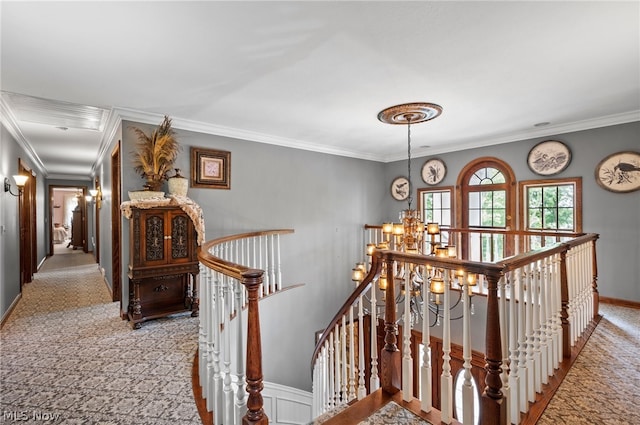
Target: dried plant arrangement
x,y
155,154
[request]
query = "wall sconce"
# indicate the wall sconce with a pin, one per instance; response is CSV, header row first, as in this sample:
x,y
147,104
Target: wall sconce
x,y
20,179
97,195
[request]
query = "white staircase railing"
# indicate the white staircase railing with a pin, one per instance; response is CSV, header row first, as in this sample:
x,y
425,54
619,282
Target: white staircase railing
x,y
235,272
538,305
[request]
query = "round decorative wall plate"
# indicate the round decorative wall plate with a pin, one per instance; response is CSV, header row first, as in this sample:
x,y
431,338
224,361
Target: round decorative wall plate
x,y
549,157
433,171
400,188
619,172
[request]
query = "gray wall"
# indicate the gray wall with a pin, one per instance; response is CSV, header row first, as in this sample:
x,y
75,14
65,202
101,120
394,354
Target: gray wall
x,y
615,216
324,198
9,236
10,152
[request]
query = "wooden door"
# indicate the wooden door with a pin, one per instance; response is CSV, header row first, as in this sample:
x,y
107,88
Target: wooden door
x,y
96,218
116,228
27,226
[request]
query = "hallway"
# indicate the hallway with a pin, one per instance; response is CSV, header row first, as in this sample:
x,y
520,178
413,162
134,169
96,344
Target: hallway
x,y
67,355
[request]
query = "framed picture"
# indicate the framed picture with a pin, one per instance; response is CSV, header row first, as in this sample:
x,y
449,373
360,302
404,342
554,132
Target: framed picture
x,y
619,172
400,188
433,171
210,168
549,157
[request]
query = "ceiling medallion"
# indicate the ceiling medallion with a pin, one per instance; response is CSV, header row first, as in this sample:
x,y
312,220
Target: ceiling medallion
x,y
410,113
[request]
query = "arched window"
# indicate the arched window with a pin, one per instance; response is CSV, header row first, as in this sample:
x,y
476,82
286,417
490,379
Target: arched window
x,y
486,191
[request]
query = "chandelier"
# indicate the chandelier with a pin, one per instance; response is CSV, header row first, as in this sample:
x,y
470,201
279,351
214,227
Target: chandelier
x,y
409,234
412,227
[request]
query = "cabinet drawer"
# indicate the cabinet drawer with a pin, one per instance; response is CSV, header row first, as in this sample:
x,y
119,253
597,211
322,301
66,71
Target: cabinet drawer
x,y
164,292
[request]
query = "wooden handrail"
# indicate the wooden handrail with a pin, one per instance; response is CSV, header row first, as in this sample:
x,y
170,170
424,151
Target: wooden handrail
x,y
516,261
252,279
498,231
247,235
374,272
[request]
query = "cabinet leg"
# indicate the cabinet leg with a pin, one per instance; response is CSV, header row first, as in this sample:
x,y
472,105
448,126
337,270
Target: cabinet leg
x,y
195,303
195,307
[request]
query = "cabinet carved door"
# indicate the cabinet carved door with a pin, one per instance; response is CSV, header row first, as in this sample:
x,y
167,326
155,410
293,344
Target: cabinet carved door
x,y
163,264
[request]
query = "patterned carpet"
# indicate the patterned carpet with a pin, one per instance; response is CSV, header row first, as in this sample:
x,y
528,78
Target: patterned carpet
x,y
602,386
66,357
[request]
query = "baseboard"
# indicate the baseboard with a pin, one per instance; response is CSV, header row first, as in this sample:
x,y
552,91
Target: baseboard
x,y
619,302
10,310
41,263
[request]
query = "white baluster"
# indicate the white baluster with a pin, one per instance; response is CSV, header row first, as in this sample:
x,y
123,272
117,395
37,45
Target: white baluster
x,y
572,307
514,368
548,282
228,391
522,340
425,369
216,381
332,373
272,280
407,361
240,400
337,369
362,389
544,359
535,302
467,388
374,381
352,361
326,379
531,392
279,279
344,379
504,344
446,392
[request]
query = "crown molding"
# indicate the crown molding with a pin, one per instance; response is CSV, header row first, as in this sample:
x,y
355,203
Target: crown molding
x,y
8,119
72,177
110,129
549,131
235,133
217,130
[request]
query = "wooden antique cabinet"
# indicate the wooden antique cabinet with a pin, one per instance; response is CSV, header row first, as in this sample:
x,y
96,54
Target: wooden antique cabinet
x,y
163,264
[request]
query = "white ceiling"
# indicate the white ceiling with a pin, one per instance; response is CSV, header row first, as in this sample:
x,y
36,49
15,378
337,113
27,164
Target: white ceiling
x,y
314,75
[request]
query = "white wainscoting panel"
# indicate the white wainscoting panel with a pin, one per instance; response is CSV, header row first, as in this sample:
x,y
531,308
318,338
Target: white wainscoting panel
x,y
286,405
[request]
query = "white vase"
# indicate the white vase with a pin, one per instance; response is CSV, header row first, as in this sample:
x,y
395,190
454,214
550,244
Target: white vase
x,y
178,185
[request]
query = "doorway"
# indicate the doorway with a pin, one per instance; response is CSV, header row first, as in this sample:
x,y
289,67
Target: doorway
x,y
68,219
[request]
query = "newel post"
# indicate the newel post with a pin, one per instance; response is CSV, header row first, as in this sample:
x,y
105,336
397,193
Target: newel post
x,y
494,406
390,367
252,279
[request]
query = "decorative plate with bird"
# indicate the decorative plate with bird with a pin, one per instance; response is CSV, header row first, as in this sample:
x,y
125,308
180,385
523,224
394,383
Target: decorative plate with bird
x,y
619,172
549,157
433,171
400,188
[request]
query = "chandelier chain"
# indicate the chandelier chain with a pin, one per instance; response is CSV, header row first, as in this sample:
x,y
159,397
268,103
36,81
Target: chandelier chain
x,y
410,198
